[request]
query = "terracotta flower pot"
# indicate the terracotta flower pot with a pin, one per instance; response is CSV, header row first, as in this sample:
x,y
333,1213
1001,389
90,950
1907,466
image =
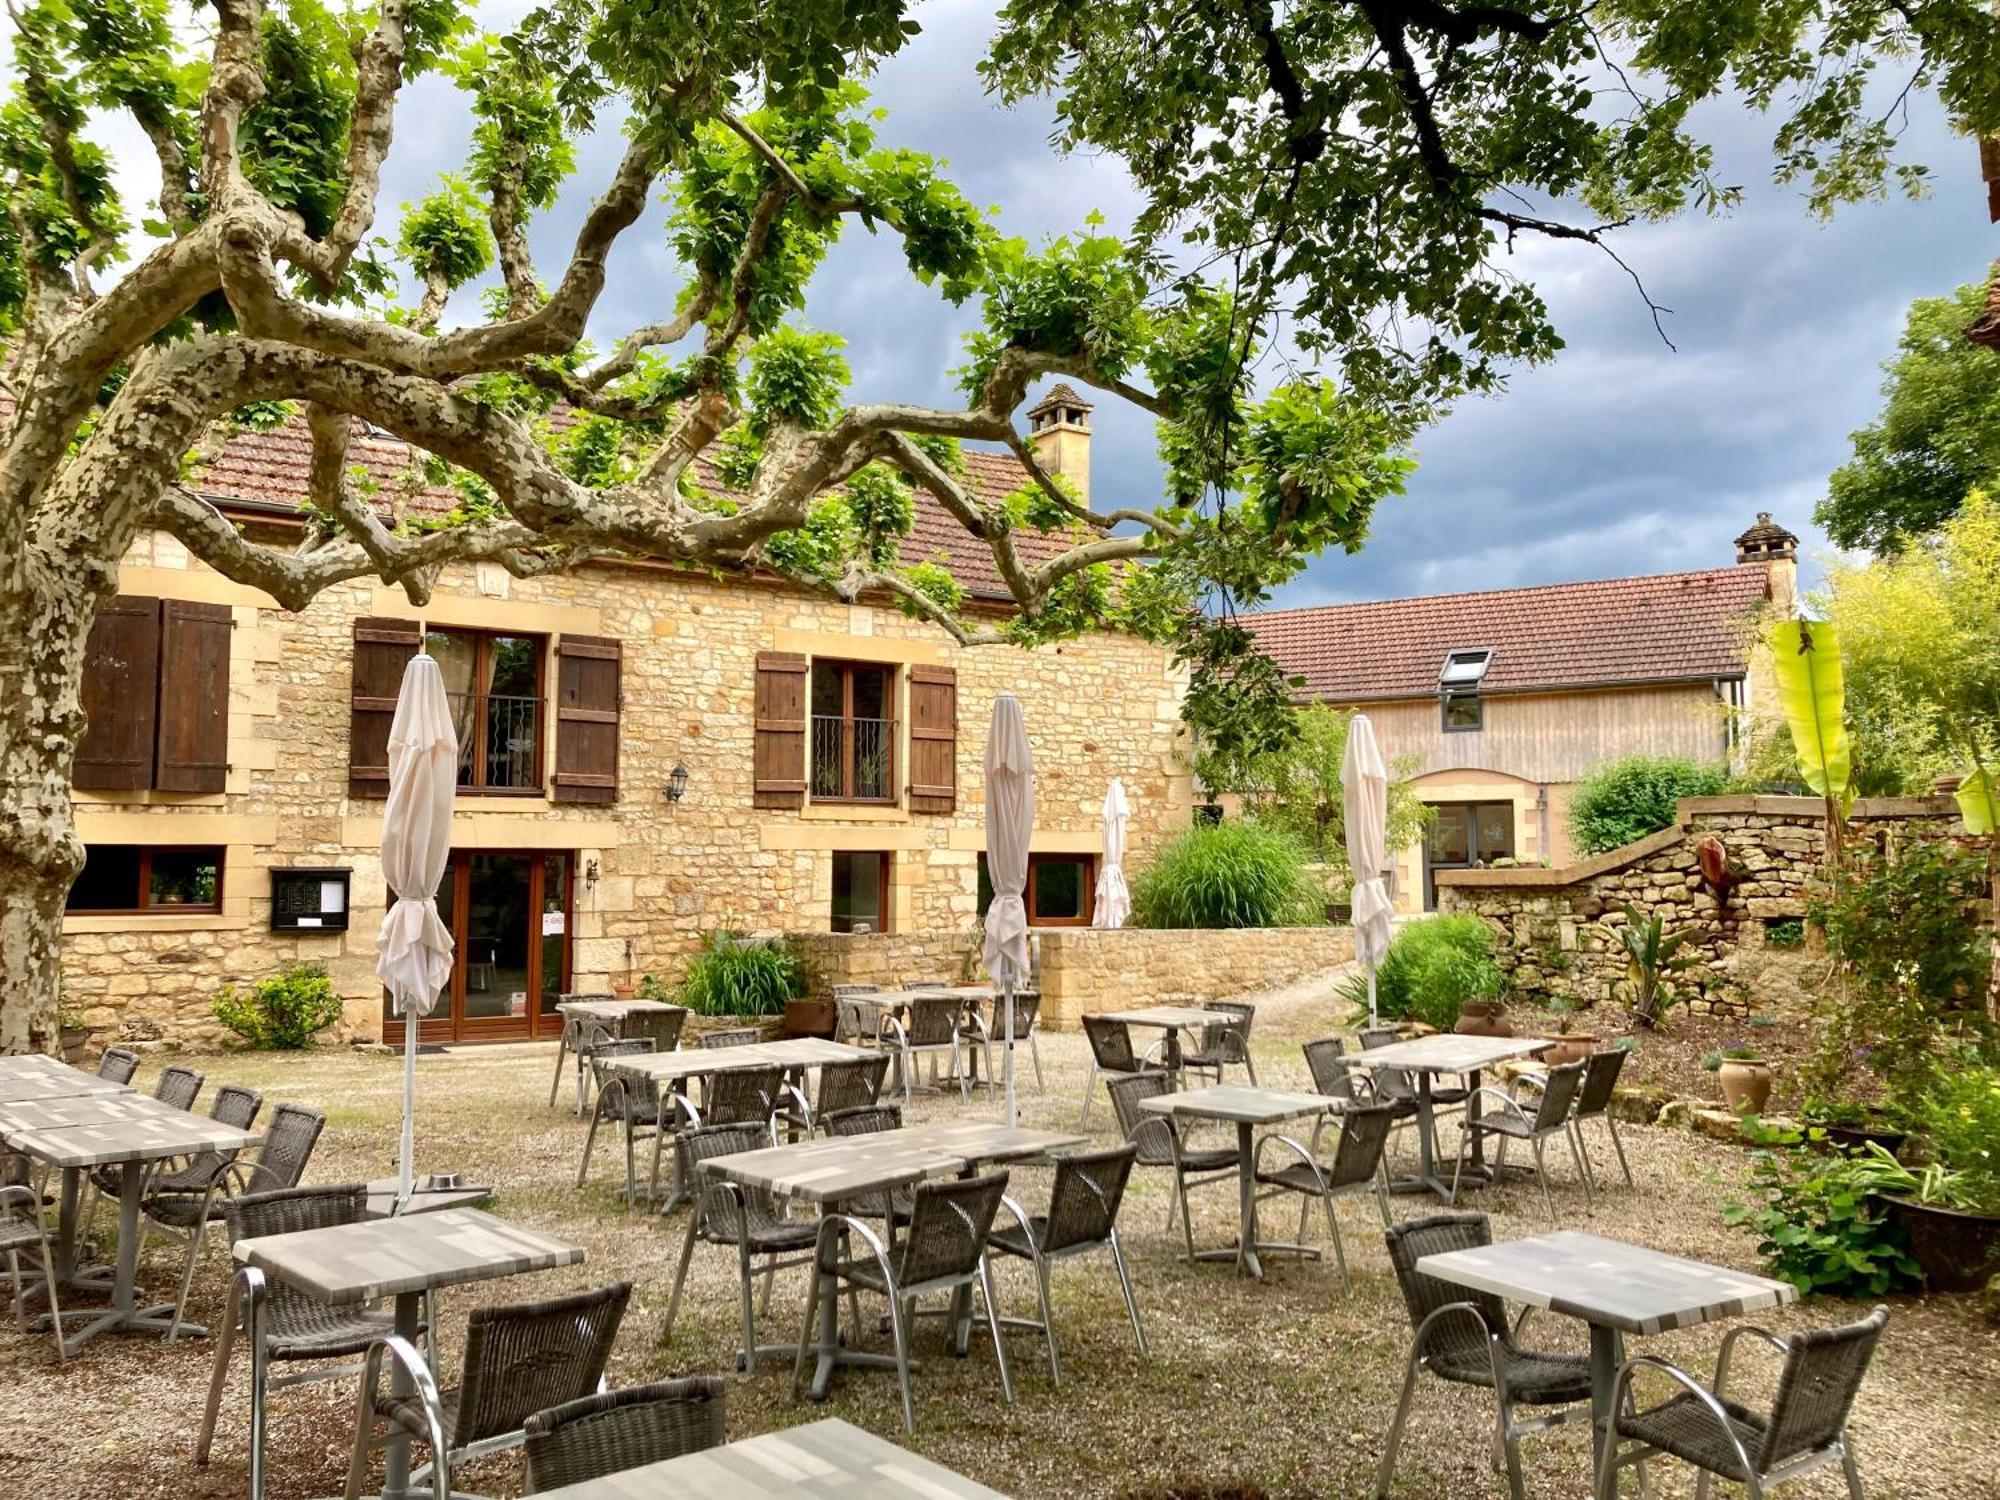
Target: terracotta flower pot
x,y
1572,1046
1746,1084
809,1018
1483,1018
73,1041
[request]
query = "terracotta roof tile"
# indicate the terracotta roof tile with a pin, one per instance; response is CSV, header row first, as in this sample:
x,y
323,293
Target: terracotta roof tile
x,y
1667,627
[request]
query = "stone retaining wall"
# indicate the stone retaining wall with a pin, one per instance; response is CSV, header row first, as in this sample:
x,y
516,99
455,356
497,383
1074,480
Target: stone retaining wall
x,y
1084,970
1559,927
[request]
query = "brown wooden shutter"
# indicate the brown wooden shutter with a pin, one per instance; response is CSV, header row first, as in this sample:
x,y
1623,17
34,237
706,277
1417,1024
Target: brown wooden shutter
x,y
933,739
778,761
121,694
382,649
588,669
194,697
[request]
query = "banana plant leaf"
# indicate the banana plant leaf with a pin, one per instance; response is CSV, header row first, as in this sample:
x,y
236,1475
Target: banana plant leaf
x,y
1806,657
1979,801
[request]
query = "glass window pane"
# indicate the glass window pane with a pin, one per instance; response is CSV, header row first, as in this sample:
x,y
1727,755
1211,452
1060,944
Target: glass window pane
x,y
184,877
871,692
496,937
1495,830
1450,837
1058,890
110,879
826,689
555,929
857,891
1461,711
511,664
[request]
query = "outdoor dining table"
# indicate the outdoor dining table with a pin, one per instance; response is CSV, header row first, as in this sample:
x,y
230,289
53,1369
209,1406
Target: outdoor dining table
x,y
836,1170
36,1075
824,1460
1246,1108
403,1258
1424,1058
1615,1288
610,1013
1171,1021
130,1130
383,1191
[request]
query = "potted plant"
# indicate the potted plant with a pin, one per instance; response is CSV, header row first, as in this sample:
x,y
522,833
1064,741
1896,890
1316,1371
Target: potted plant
x,y
1651,955
1951,1208
1850,1125
1571,1044
73,1035
749,978
1745,1078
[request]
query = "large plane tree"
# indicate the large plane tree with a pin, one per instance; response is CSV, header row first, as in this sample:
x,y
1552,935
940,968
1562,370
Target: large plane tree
x,y
1356,170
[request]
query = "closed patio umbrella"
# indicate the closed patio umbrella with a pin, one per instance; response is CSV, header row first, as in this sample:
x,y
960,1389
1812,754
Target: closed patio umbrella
x,y
413,950
1010,827
1364,782
1114,901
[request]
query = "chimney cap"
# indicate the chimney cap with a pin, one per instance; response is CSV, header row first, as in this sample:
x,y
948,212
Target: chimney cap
x,y
1061,395
1766,541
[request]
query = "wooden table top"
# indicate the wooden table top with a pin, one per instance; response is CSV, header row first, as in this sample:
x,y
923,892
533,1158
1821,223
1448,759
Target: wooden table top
x,y
1238,1103
1174,1016
390,1257
824,1460
1608,1282
81,1109
423,1200
36,1076
144,1135
612,1010
835,1168
694,1062
1447,1053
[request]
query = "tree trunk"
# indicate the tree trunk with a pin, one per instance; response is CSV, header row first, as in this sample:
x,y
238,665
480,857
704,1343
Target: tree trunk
x,y
44,627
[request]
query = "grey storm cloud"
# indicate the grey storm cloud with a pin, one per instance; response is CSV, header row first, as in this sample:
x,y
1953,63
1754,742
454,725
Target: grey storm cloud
x,y
1620,456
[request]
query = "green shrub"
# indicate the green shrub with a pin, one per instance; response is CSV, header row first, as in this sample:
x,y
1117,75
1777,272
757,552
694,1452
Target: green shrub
x,y
1230,874
1960,1122
1624,800
1433,969
1820,1227
734,975
282,1013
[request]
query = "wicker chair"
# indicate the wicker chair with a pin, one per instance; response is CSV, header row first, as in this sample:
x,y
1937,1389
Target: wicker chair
x,y
850,1022
185,1212
735,1036
118,1064
631,1102
176,1087
751,1223
869,1120
928,1026
1593,1102
1226,1043
1805,1429
1509,1121
234,1105
1355,1166
594,1436
1462,1336
575,1043
1111,1058
280,1323
660,1027
520,1358
944,1251
1395,1086
853,1084
1082,1217
739,1096
1160,1144
24,1230
985,1033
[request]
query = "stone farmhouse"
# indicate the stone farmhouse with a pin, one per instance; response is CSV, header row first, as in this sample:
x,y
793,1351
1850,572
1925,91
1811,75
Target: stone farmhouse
x,y
1500,701
649,753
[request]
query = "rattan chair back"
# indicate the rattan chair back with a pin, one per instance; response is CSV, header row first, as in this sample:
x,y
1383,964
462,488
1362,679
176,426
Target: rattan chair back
x,y
1027,1006
854,1084
1364,1132
593,1436
236,1105
932,1020
1456,1344
118,1064
743,1096
1330,1077
525,1357
289,1311
1600,1080
660,1027
288,1146
735,1036
864,1120
1155,1148
1111,1044
949,1222
1558,1094
1816,1390
1240,1018
178,1087
1089,1186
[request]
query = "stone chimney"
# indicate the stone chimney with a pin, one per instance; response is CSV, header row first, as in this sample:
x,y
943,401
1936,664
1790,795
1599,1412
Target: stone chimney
x,y
1059,432
1768,545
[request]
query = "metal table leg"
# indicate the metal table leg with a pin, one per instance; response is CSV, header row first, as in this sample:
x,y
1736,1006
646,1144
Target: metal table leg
x,y
396,1456
1607,1353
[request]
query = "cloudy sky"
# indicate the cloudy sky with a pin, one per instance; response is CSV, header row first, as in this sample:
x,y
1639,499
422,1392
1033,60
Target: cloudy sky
x,y
1622,456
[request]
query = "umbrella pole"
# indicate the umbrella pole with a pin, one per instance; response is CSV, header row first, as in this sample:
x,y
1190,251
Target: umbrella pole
x,y
409,1149
1372,1020
1013,1119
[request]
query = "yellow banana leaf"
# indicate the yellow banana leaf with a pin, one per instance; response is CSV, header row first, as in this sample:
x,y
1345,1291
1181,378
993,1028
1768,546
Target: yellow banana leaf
x,y
1979,802
1806,656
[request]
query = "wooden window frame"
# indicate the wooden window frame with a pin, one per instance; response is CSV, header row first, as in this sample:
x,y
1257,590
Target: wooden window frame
x,y
482,657
893,698
885,918
145,906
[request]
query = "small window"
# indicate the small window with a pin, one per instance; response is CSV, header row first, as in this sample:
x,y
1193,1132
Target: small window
x,y
142,878
861,891
1458,689
1463,712
1062,889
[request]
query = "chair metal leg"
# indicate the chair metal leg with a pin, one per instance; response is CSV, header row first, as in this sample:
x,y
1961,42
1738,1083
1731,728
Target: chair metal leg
x,y
1702,1483
806,1332
993,1323
1618,1145
187,1275
631,1180
1187,1215
1582,1149
1605,1485
1034,1051
562,1051
1847,1467
1386,1475
1089,1092
1582,1169
1249,1066
1542,1176
745,1284
680,1275
589,1140
1458,1166
224,1338
899,1331
1339,1250
1125,1286
1510,1449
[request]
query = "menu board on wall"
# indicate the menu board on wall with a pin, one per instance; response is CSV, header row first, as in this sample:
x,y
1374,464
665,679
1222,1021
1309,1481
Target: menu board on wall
x,y
309,900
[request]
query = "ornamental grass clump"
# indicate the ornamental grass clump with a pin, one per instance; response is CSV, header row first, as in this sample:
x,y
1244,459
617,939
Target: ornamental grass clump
x,y
1432,971
1231,874
736,975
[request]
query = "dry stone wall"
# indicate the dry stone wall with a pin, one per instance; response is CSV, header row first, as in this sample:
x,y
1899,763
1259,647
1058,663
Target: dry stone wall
x,y
1559,928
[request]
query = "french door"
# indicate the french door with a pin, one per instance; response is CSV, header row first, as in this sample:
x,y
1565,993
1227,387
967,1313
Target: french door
x,y
509,917
1464,836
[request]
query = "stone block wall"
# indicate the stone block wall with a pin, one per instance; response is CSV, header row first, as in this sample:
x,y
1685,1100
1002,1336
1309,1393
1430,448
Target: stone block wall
x,y
1559,928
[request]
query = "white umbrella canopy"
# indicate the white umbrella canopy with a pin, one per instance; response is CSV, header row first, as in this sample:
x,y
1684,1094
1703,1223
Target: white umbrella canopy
x,y
413,950
1364,781
1010,827
1114,901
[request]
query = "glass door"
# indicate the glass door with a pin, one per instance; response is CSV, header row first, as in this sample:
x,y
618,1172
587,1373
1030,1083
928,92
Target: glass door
x,y
1465,836
508,914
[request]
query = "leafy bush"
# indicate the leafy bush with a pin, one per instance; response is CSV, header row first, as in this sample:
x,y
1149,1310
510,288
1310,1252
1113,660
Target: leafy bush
x,y
1432,971
282,1013
1230,874
1624,800
1820,1227
734,975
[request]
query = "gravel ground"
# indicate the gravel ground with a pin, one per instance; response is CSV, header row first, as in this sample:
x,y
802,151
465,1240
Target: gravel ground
x,y
1284,1387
